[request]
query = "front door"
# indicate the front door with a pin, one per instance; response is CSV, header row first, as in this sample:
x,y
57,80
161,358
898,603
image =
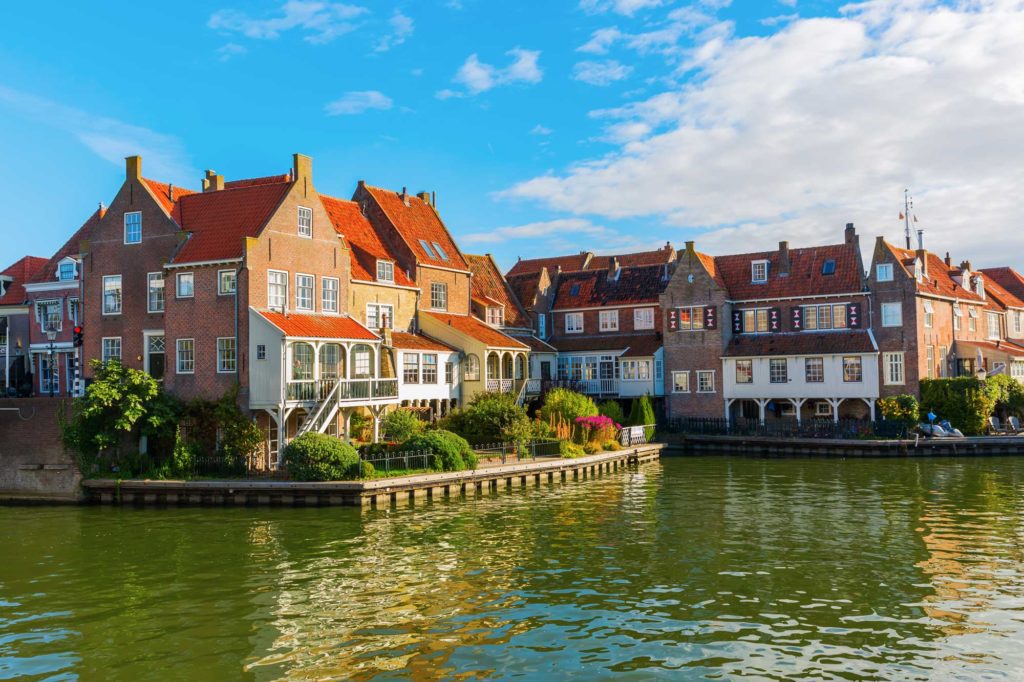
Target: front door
x,y
545,370
155,350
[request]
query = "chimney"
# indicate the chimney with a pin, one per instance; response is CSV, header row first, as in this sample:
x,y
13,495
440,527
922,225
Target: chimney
x,y
302,170
102,209
850,234
405,196
170,191
783,258
213,182
949,261
920,240
965,266
424,197
613,267
133,168
433,199
386,333
689,247
922,258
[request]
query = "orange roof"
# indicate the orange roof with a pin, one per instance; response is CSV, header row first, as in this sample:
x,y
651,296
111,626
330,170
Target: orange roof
x,y
251,182
364,242
805,277
168,195
525,286
1002,346
474,328
71,247
23,270
595,289
489,285
567,263
586,260
406,341
665,254
417,221
219,221
1009,286
319,326
939,281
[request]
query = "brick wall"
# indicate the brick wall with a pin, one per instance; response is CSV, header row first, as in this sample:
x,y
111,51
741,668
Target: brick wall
x,y
33,462
592,320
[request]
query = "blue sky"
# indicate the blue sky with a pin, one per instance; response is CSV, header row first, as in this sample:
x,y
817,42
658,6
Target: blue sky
x,y
543,127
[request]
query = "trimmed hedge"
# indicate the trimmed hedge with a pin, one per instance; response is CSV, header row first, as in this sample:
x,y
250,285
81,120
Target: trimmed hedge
x,y
450,451
965,401
319,457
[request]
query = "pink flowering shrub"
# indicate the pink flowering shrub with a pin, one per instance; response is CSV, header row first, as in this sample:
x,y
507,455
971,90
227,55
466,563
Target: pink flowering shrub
x,y
597,429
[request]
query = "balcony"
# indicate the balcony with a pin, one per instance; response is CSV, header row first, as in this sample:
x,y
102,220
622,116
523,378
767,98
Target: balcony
x,y
500,385
585,386
533,387
351,390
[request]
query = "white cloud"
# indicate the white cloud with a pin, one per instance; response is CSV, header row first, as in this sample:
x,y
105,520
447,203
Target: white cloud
x,y
230,51
540,130
401,29
476,76
601,73
357,102
110,139
661,37
321,22
824,122
547,228
625,7
601,40
779,19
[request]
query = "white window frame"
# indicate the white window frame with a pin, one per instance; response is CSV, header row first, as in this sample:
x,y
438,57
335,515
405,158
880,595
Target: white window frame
x,y
74,310
438,293
608,320
385,271
818,377
570,320
410,368
150,289
929,313
104,346
826,412
222,365
748,364
311,288
860,369
990,319
759,271
329,285
221,290
120,297
177,356
703,373
887,317
428,365
60,270
282,300
643,318
305,227
774,377
883,272
44,319
48,375
181,277
440,252
495,316
132,214
894,369
685,375
378,308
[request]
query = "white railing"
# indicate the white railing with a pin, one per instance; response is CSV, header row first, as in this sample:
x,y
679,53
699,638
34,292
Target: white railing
x,y
521,398
499,385
634,435
343,390
533,386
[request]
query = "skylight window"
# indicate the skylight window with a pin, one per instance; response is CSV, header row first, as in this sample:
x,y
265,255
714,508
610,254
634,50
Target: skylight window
x,y
828,267
440,251
426,248
575,291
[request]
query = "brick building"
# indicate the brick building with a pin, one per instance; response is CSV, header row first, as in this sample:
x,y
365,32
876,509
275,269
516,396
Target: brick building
x,y
16,319
774,334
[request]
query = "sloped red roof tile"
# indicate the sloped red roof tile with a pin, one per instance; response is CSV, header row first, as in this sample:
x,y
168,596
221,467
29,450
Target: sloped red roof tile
x,y
70,248
251,182
489,284
939,280
406,341
805,276
1003,346
474,328
633,345
525,286
21,271
799,343
596,289
536,345
319,326
168,195
365,244
568,264
219,221
1009,285
416,220
586,260
665,254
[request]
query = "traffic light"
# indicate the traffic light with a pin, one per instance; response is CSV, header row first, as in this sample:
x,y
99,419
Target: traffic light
x,y
77,337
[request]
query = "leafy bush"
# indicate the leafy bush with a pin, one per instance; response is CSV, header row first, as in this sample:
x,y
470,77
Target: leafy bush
x,y
903,409
1008,394
359,426
597,429
612,410
319,457
591,448
450,451
641,413
401,425
611,445
491,418
561,403
183,459
965,401
569,450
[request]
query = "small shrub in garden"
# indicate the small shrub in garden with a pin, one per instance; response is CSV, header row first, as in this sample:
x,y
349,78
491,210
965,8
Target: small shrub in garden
x,y
401,425
641,413
591,448
450,451
568,405
319,457
490,418
612,410
611,445
569,450
597,429
902,409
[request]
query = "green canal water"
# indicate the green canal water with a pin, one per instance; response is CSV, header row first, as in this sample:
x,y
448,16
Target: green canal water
x,y
715,567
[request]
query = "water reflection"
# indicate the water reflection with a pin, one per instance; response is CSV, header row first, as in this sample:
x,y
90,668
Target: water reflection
x,y
704,567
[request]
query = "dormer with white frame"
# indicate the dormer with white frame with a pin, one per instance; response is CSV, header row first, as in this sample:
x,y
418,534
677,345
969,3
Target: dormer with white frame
x,y
67,270
759,271
385,271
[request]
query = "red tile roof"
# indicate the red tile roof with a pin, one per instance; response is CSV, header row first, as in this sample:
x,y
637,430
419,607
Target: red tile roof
x,y
595,289
799,343
634,345
417,220
219,221
168,195
535,344
21,271
319,326
364,242
70,248
1009,287
567,263
939,280
251,182
489,285
665,254
1007,347
586,260
406,341
805,276
474,328
526,287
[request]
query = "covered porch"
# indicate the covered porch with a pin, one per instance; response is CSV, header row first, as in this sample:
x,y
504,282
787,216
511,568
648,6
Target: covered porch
x,y
800,409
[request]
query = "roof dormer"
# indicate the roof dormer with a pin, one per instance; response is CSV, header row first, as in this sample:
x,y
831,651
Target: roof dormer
x,y
759,271
67,270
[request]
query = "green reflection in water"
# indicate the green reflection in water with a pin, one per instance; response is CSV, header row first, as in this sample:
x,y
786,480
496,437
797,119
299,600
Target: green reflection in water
x,y
712,567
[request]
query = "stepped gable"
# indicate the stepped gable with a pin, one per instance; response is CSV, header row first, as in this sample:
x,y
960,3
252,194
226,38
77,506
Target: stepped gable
x,y
365,244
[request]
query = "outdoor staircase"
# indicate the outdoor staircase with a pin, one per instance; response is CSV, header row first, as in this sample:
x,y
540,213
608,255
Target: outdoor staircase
x,y
521,398
320,416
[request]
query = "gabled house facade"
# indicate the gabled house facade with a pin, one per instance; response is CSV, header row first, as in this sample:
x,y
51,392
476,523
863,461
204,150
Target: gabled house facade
x,y
16,320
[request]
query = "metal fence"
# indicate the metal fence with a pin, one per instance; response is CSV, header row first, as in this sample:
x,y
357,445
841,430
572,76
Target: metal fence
x,y
516,452
232,467
399,461
844,429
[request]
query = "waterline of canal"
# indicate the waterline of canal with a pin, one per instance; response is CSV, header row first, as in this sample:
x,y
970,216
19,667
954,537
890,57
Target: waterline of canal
x,y
694,567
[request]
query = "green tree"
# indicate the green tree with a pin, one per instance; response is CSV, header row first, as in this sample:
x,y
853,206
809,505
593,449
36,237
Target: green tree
x,y
641,413
319,457
401,425
491,418
902,409
612,409
566,405
1008,394
965,401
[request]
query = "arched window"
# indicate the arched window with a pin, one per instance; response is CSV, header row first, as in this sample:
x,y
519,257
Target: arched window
x,y
330,361
362,362
302,362
471,368
493,366
520,366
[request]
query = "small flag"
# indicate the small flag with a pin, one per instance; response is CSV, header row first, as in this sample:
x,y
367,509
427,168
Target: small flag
x,y
901,215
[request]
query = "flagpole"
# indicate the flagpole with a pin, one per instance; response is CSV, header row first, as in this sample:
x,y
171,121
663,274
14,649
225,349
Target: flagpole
x,y
906,216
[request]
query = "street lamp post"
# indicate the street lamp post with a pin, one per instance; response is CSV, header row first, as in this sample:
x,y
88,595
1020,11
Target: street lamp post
x,y
51,334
